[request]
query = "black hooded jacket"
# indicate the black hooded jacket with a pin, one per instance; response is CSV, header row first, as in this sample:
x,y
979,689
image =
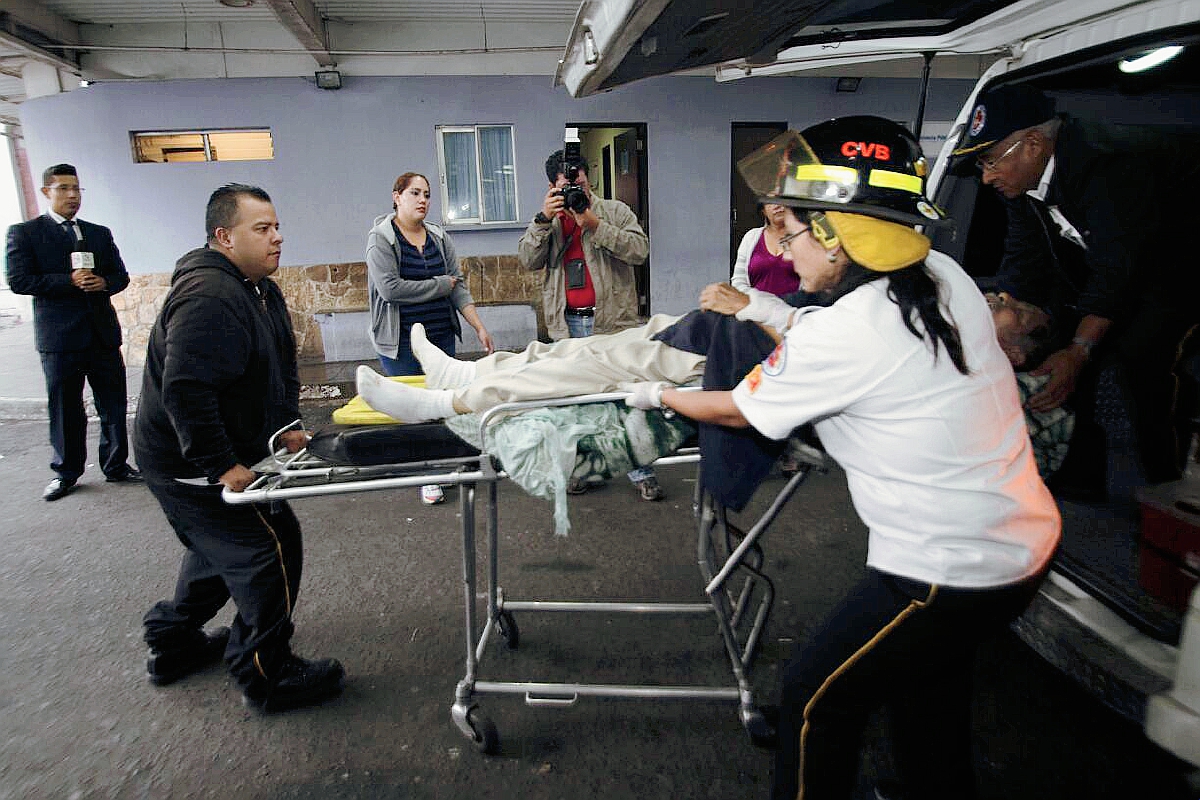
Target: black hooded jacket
x,y
220,374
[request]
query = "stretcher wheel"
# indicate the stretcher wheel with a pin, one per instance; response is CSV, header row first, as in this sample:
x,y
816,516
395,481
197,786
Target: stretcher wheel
x,y
483,732
763,727
509,630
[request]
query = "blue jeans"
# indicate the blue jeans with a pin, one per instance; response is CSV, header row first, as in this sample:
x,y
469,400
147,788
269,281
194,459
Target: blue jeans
x,y
405,363
579,327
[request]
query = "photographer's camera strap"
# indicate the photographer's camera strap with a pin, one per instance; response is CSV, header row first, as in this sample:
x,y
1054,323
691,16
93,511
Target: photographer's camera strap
x,y
580,291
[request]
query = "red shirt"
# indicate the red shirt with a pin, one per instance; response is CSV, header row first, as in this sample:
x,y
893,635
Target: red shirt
x,y
573,233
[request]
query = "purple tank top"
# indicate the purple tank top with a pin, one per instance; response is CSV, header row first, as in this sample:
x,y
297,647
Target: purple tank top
x,y
770,273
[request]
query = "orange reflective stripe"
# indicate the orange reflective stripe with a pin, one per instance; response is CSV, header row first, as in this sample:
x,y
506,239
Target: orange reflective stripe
x,y
909,610
287,589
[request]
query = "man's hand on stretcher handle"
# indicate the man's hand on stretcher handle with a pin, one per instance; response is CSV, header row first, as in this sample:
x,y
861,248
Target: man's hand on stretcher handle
x,y
238,477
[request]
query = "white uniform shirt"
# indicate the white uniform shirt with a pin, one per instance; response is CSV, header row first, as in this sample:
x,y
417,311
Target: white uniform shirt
x,y
938,463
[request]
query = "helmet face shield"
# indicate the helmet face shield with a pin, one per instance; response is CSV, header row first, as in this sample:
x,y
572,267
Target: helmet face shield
x,y
768,169
862,165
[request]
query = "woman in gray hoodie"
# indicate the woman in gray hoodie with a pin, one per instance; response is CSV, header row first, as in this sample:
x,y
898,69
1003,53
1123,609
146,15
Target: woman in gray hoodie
x,y
413,276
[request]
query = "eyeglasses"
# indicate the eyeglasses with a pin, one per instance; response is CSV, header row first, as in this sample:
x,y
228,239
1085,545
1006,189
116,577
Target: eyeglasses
x,y
784,241
986,164
65,189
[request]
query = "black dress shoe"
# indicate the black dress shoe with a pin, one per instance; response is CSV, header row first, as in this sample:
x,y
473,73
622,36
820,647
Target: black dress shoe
x,y
300,682
167,666
129,475
59,487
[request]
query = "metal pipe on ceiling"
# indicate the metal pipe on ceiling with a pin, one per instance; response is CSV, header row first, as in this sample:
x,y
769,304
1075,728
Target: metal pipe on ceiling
x,y
299,51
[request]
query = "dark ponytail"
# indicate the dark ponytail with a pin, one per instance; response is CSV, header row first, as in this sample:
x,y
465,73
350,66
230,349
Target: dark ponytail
x,y
916,292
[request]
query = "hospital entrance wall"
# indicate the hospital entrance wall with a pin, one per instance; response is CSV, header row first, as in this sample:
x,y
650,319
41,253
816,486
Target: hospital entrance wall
x,y
336,154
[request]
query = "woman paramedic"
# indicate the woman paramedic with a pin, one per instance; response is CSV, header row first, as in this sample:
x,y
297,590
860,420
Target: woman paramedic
x,y
909,391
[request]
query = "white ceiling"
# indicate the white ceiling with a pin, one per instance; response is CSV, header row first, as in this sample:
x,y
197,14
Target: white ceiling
x,y
176,39
107,40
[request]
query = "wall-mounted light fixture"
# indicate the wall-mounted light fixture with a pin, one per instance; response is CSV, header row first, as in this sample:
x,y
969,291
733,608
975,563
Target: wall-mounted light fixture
x,y
329,79
848,84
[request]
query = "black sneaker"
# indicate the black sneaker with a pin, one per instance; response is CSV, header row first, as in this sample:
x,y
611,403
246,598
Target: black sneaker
x,y
300,682
167,666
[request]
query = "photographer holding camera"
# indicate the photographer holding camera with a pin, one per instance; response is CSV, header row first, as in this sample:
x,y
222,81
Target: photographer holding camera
x,y
587,247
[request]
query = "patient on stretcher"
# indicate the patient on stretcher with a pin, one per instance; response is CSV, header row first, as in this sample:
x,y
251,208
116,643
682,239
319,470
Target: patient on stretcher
x,y
566,368
601,363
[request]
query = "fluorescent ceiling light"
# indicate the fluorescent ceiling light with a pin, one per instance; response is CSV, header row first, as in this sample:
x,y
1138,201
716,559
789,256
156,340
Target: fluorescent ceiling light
x,y
1149,60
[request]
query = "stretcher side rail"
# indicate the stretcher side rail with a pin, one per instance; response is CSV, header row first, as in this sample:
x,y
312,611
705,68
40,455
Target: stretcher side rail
x,y
311,477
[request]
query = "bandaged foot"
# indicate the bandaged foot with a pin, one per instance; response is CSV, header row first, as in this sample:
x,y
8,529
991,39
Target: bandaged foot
x,y
441,371
402,402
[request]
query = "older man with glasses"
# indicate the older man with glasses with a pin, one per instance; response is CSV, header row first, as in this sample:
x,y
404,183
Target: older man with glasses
x,y
1097,215
72,268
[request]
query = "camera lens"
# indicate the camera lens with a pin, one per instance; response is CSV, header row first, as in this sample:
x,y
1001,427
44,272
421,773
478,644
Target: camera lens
x,y
575,198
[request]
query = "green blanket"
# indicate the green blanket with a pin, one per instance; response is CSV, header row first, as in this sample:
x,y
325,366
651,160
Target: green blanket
x,y
1049,431
543,449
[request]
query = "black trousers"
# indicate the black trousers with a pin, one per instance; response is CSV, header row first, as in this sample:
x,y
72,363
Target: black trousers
x,y
104,370
251,553
899,644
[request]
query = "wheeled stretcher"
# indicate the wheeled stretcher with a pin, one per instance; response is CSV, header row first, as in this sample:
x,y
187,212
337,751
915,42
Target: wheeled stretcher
x,y
731,560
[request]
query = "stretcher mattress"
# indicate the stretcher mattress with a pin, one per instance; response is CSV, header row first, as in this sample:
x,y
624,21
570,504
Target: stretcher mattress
x,y
370,445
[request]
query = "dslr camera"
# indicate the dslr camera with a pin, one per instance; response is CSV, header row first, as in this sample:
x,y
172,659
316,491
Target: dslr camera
x,y
574,197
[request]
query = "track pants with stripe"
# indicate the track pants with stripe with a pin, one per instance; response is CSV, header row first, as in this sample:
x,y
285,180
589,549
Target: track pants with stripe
x,y
251,553
897,644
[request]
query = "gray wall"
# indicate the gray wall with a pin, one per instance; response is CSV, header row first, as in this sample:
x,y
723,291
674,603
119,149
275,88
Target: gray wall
x,y
337,153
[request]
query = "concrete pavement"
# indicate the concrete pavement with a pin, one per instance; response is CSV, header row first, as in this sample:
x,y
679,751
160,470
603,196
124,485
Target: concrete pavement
x,y
382,591
22,388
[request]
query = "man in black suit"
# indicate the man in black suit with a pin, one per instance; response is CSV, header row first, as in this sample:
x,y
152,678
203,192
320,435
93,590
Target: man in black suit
x,y
78,335
1097,222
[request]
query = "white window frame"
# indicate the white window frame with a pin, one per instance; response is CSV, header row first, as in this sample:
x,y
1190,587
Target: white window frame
x,y
477,221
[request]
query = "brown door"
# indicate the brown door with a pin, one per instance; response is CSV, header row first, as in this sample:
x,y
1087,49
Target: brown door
x,y
620,169
745,138
629,156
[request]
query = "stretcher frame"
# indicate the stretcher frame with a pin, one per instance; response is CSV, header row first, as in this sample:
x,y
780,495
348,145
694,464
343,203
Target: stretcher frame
x,y
730,561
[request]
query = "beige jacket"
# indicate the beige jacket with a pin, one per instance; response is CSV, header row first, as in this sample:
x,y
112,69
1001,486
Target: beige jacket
x,y
611,251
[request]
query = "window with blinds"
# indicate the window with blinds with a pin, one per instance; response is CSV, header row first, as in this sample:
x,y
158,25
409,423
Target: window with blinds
x,y
478,174
167,147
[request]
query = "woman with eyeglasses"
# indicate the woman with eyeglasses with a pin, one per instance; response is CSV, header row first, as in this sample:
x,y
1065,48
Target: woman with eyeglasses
x,y
413,276
902,377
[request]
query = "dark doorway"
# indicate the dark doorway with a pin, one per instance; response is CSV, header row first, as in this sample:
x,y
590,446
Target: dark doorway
x,y
616,156
745,138
606,160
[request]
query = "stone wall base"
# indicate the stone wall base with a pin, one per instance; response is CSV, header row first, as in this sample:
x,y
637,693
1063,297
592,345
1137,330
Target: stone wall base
x,y
325,288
